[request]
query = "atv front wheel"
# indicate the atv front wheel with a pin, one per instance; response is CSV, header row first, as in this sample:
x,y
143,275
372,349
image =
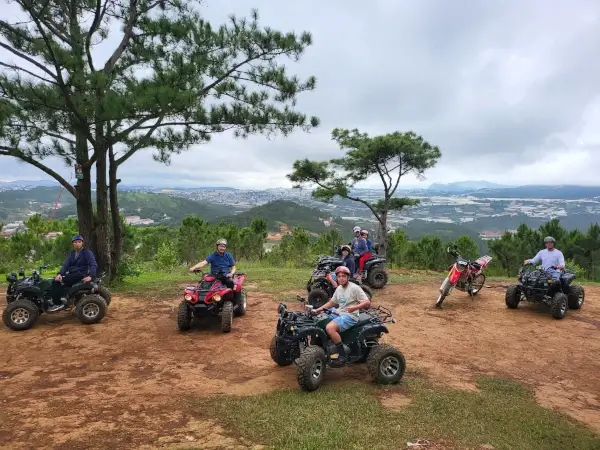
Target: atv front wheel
x,y
377,278
226,316
512,298
386,364
242,304
278,356
317,298
20,315
311,367
90,309
576,296
184,316
105,294
560,304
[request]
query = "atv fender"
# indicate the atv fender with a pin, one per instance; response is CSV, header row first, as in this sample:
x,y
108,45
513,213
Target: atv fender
x,y
28,291
308,332
374,329
374,262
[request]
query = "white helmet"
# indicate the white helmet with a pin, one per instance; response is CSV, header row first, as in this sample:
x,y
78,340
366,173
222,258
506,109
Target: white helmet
x,y
356,229
365,232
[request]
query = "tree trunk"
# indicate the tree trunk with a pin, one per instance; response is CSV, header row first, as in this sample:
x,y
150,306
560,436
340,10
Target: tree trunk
x,y
83,188
103,254
117,225
383,234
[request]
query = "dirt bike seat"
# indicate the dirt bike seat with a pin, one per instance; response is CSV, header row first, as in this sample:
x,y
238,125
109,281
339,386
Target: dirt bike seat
x,y
476,265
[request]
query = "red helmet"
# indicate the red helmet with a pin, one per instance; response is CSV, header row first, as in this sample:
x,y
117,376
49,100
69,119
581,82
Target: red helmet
x,y
342,269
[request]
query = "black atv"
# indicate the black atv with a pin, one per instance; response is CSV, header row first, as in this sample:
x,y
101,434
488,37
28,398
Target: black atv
x,y
374,272
536,286
28,297
301,338
319,287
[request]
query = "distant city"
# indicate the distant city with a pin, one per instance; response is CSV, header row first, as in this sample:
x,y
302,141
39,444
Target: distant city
x,y
455,203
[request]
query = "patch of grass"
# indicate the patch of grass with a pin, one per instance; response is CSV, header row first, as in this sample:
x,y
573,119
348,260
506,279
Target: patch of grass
x,y
503,414
275,281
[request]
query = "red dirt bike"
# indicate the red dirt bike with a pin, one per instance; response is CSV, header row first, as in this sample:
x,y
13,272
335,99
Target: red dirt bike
x,y
211,297
465,275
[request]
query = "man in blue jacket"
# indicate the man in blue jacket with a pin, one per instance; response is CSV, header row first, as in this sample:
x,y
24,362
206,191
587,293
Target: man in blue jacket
x,y
80,265
222,264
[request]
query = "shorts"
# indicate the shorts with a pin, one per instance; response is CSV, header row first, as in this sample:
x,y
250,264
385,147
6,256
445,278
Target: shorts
x,y
345,321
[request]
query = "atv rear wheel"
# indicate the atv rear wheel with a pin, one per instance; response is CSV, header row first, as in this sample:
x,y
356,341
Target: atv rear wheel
x,y
90,309
377,277
386,364
576,296
317,298
184,316
278,356
105,294
311,367
560,304
512,298
227,316
368,291
242,304
20,315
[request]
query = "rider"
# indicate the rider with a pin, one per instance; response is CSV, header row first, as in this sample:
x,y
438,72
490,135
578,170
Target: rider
x,y
80,265
348,262
350,298
221,262
361,262
550,257
359,245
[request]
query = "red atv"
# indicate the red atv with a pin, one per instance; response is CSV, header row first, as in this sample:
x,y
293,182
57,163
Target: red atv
x,y
210,297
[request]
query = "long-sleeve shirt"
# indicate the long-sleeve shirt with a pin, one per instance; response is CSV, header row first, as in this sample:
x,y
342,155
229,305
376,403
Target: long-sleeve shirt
x,y
369,246
80,263
359,245
350,264
549,258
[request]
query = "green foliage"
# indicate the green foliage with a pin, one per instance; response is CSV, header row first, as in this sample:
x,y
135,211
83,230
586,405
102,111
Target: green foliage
x,y
581,250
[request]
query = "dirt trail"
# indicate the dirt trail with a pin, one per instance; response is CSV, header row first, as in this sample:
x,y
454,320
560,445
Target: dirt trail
x,y
123,383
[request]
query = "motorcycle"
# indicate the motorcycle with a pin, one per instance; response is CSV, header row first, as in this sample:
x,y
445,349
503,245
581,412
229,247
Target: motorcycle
x,y
464,275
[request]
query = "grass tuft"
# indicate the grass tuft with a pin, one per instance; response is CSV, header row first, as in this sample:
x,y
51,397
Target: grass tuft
x,y
502,414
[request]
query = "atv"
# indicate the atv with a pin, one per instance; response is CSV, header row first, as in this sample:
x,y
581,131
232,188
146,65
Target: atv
x,y
212,298
300,337
374,272
536,286
28,297
319,286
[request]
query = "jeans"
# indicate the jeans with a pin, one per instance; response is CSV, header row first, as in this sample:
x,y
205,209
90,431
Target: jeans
x,y
58,287
554,273
227,281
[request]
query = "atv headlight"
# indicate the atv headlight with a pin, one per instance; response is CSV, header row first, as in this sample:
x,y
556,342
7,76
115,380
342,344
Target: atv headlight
x,y
187,297
216,298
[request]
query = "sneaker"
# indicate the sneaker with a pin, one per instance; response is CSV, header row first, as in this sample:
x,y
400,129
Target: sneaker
x,y
53,307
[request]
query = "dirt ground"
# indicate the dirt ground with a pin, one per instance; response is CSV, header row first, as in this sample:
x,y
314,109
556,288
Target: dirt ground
x,y
124,383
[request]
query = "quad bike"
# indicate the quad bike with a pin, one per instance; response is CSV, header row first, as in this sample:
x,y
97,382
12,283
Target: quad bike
x,y
319,286
300,337
28,297
210,297
374,273
536,286
464,275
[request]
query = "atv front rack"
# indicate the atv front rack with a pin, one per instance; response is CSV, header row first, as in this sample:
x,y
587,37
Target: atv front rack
x,y
381,314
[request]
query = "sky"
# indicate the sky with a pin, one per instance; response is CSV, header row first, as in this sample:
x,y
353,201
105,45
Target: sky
x,y
509,91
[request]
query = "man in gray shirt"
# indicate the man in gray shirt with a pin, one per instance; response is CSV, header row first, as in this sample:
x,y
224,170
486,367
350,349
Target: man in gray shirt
x,y
550,257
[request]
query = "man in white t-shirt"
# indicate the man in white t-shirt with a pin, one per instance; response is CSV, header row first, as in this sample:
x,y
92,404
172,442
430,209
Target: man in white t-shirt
x,y
350,299
549,257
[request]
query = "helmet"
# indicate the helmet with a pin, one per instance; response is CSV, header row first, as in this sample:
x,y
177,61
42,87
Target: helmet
x,y
222,242
548,239
365,232
356,229
346,247
342,269
77,238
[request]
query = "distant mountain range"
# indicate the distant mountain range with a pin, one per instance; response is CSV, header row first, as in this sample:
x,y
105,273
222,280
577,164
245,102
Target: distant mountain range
x,y
465,186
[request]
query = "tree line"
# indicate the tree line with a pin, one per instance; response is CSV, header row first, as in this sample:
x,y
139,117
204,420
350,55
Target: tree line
x,y
158,248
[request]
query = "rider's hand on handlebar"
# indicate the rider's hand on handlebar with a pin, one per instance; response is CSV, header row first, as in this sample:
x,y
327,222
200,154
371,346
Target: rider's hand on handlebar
x,y
526,262
229,275
58,277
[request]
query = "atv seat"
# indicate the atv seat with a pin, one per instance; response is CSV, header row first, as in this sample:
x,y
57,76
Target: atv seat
x,y
363,319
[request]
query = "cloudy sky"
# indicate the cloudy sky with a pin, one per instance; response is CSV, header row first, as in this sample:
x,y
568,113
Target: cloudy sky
x,y
509,91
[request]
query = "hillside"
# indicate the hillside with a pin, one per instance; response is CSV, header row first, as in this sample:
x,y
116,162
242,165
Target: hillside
x,y
286,212
564,192
18,203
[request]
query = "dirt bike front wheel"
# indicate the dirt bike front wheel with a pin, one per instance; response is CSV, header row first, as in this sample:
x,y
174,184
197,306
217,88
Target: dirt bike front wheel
x,y
440,300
